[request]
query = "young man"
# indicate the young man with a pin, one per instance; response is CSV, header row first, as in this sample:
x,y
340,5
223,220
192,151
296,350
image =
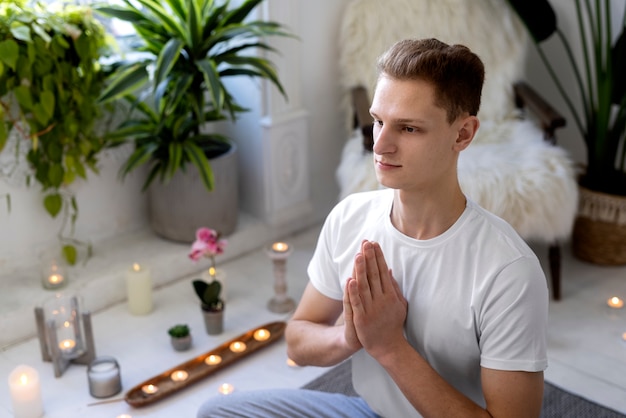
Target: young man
x,y
441,305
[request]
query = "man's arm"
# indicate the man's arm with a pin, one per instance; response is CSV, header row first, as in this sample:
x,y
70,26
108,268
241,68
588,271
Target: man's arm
x,y
377,307
314,338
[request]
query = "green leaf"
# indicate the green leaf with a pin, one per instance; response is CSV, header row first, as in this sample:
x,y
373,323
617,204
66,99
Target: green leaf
x,y
9,52
167,59
21,32
53,203
197,157
124,82
70,254
24,97
55,175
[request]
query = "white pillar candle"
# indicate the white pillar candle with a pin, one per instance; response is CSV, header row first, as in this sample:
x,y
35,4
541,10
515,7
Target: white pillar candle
x,y
25,392
139,290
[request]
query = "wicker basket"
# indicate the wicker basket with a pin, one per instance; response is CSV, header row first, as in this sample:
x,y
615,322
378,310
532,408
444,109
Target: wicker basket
x,y
599,234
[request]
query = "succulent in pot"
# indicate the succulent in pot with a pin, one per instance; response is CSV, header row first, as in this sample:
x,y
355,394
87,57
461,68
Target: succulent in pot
x,y
180,337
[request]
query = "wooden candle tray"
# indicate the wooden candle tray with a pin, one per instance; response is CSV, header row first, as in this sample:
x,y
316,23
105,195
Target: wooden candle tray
x,y
198,369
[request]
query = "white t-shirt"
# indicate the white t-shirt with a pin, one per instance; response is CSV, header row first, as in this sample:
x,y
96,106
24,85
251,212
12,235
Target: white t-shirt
x,y
477,295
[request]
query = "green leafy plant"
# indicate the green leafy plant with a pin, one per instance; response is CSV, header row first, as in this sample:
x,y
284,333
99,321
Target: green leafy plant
x,y
188,48
209,294
50,80
601,87
179,331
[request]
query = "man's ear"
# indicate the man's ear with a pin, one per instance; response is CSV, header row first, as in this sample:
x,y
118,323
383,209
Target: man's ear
x,y
468,128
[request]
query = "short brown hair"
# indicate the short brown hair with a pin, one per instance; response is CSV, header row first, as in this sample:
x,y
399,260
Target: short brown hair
x,y
456,72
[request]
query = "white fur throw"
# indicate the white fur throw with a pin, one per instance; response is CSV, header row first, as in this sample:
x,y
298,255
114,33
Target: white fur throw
x,y
508,169
488,27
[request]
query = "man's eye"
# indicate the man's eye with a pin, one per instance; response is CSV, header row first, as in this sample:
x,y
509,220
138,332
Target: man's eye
x,y
410,129
378,122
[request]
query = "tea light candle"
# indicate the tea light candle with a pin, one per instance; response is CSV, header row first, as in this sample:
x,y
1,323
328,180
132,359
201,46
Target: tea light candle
x,y
179,376
67,346
139,290
615,303
25,392
149,389
226,389
280,247
213,359
104,378
261,334
238,347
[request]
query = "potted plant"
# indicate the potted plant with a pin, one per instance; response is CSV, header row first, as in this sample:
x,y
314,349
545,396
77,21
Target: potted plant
x,y
600,228
175,88
50,80
180,337
209,244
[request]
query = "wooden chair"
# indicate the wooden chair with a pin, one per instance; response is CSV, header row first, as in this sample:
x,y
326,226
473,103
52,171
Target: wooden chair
x,y
513,167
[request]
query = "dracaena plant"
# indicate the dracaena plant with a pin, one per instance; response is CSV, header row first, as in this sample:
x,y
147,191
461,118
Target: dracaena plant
x,y
600,116
176,85
50,80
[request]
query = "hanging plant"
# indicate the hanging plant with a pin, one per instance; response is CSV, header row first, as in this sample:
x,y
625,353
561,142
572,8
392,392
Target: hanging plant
x,y
50,80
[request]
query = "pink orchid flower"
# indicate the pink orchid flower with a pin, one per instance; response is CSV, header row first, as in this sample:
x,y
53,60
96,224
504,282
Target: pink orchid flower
x,y
207,244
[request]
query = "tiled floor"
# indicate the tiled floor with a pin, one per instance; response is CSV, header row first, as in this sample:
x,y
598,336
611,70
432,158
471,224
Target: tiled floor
x,y
587,353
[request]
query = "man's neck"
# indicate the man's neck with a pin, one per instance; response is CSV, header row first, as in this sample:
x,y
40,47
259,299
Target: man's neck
x,y
426,215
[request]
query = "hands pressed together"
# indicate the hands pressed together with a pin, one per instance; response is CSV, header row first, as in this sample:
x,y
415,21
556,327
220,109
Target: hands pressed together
x,y
373,305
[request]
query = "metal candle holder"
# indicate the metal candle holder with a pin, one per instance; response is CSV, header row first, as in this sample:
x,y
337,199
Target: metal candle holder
x,y
280,303
49,342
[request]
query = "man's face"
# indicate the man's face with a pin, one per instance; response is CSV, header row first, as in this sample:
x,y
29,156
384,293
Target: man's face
x,y
415,148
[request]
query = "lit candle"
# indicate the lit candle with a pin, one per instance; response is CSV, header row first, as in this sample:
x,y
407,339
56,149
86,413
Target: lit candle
x,y
226,389
237,347
261,334
25,392
179,376
624,337
139,290
67,346
103,375
124,416
55,279
615,303
280,247
149,389
213,359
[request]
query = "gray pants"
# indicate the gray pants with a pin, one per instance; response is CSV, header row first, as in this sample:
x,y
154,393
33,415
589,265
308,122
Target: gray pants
x,y
285,403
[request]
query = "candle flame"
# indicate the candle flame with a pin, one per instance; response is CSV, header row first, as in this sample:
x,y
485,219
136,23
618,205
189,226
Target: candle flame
x,y
280,247
226,389
55,279
615,302
23,379
238,347
179,375
149,389
261,334
66,324
212,271
136,267
213,360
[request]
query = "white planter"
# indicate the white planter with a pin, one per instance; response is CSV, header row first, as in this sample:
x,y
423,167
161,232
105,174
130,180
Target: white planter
x,y
180,207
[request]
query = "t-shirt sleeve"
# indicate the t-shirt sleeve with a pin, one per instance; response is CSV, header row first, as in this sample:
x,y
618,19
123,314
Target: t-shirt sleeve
x,y
323,270
513,326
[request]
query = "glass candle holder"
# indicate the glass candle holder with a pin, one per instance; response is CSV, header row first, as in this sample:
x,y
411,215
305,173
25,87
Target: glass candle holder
x,y
104,377
62,314
54,270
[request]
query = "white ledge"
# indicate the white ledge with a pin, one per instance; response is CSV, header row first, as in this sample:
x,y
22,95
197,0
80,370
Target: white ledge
x,y
101,282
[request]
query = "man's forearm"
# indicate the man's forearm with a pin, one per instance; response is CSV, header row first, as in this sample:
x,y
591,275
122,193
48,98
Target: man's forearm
x,y
311,344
